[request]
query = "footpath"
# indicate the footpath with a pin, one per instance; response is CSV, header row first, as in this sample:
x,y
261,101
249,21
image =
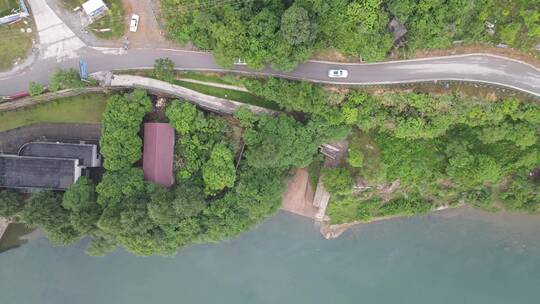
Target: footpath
x,y
211,103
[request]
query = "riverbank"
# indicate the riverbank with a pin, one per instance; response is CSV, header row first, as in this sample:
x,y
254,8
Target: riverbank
x,y
334,231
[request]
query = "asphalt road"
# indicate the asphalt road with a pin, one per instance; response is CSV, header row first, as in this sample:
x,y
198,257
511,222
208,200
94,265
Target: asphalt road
x,y
480,68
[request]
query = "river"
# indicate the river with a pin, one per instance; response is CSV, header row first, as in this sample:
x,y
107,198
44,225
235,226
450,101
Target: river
x,y
455,256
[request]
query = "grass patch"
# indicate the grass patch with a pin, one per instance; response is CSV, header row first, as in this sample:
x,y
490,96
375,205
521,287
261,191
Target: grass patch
x,y
114,20
371,169
314,170
239,96
77,109
7,7
14,44
227,79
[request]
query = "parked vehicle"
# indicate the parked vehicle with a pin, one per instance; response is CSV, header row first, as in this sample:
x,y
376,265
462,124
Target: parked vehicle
x,y
240,61
134,23
338,73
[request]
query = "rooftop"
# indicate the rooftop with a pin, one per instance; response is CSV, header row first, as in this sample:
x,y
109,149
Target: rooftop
x,y
38,172
158,153
93,7
85,153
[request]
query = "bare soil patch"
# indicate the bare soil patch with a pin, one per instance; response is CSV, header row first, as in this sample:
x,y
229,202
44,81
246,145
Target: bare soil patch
x,y
298,198
149,33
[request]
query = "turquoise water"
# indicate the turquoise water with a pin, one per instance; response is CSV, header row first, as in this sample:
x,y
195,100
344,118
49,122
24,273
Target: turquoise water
x,y
458,256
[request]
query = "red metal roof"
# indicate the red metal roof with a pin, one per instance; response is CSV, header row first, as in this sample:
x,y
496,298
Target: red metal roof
x,y
158,153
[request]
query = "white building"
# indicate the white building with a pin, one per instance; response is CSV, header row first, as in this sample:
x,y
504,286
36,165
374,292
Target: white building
x,y
94,8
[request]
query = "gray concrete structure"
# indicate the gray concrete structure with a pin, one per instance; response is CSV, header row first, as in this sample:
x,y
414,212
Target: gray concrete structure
x,y
85,153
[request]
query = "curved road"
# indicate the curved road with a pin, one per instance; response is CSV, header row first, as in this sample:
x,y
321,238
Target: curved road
x,y
61,48
480,68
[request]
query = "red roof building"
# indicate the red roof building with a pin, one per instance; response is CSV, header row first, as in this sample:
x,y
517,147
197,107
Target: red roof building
x,y
158,153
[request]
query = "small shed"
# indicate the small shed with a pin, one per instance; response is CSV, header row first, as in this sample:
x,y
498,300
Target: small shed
x,y
94,8
397,29
158,153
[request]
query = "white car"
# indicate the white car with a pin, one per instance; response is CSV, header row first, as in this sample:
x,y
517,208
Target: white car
x,y
338,73
134,23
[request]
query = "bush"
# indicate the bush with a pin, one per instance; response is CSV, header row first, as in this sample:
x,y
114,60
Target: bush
x,y
65,79
164,69
355,158
338,181
11,203
35,89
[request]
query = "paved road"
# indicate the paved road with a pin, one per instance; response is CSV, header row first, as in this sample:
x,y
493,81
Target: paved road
x,y
475,68
61,48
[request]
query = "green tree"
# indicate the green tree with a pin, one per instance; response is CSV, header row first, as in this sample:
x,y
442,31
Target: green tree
x,y
521,195
79,194
120,144
219,171
118,185
296,26
44,210
246,117
472,170
280,142
338,181
184,116
172,208
11,203
164,69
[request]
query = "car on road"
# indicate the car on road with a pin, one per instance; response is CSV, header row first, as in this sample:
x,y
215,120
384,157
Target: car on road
x,y
340,73
134,23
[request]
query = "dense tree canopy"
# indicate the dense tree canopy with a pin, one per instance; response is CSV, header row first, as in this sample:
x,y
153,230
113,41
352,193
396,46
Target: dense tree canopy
x,y
446,149
284,33
120,145
219,171
44,209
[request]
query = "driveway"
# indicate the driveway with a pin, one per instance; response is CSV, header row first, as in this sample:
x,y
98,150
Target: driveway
x,y
149,33
56,39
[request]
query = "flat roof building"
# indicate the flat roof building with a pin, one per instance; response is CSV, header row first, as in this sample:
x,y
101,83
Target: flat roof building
x,y
47,165
38,172
94,8
85,153
158,153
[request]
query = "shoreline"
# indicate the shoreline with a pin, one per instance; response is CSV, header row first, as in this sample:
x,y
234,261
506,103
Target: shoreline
x,y
330,232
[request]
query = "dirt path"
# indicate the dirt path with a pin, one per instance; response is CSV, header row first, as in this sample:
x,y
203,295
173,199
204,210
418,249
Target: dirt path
x,y
149,33
298,198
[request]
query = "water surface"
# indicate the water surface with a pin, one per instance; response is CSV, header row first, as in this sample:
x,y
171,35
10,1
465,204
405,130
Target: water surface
x,y
458,256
